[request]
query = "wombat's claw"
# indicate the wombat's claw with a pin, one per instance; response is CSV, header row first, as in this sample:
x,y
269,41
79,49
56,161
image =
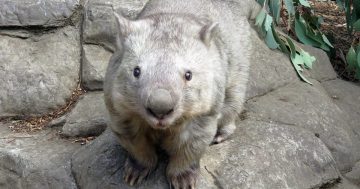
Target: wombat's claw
x,y
134,173
185,180
220,137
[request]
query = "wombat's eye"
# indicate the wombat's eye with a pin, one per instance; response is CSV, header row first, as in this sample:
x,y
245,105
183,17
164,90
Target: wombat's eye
x,y
136,72
188,75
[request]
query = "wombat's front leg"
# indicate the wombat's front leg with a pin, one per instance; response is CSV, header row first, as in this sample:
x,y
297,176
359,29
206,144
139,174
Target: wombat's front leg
x,y
231,110
185,150
142,157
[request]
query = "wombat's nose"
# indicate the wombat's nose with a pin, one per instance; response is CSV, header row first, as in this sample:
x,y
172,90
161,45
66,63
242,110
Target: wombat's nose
x,y
160,103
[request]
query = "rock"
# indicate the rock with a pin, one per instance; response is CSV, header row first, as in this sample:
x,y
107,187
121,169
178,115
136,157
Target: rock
x,y
347,96
94,66
260,155
322,69
44,13
342,184
38,74
270,155
35,161
269,69
354,174
302,105
88,116
100,25
100,165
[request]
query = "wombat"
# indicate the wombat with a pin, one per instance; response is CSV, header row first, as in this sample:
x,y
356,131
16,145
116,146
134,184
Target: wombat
x,y
177,81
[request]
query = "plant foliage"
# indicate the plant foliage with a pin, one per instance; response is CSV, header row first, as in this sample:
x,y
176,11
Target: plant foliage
x,y
352,12
301,21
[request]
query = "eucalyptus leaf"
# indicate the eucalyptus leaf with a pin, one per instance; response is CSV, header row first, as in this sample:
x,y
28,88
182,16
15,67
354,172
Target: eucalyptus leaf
x,y
275,7
291,46
300,32
290,6
260,18
356,25
340,3
326,40
268,22
351,58
297,61
270,40
304,3
308,59
358,60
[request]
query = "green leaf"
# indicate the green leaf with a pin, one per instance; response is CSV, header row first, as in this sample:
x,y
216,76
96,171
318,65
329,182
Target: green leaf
x,y
357,75
308,59
268,22
290,6
261,2
327,41
358,59
356,25
300,32
340,4
280,41
275,7
297,61
351,58
260,18
291,47
304,3
270,40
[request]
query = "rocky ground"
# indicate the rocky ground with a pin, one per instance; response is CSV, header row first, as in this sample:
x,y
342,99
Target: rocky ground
x,y
291,134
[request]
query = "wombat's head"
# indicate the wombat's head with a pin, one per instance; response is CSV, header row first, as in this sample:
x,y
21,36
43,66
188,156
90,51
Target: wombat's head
x,y
169,71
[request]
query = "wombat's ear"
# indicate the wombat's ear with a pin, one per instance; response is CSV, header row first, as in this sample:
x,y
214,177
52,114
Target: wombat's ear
x,y
207,32
123,24
127,26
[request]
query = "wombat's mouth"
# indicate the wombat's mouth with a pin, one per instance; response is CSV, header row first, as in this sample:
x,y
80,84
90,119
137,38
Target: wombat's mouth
x,y
160,122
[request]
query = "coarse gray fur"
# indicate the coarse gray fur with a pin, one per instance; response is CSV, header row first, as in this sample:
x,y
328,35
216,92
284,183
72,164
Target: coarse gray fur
x,y
169,38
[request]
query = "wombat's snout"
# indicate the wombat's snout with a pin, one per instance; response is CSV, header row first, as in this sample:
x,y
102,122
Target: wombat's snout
x,y
160,103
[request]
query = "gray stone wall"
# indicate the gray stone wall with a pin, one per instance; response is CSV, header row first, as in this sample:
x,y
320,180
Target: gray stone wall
x,y
291,134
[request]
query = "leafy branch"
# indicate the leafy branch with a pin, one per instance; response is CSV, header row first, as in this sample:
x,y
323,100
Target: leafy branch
x,y
352,12
301,22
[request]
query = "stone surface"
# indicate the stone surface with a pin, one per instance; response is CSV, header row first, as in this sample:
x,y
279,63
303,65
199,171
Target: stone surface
x,y
100,25
322,69
354,174
35,161
310,107
94,66
269,69
45,13
293,135
347,96
39,73
87,118
260,155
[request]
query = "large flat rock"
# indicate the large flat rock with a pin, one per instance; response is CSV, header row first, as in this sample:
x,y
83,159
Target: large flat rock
x,y
347,96
45,13
35,161
88,118
269,69
39,73
94,66
260,155
100,26
310,107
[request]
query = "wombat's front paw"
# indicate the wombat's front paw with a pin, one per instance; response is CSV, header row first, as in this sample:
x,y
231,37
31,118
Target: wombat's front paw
x,y
220,137
185,180
135,173
224,133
